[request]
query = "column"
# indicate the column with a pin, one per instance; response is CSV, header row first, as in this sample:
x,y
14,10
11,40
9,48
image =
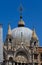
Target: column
x,y
13,63
7,63
21,63
10,63
33,59
17,63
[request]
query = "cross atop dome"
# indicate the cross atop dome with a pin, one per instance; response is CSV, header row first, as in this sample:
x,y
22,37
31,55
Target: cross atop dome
x,y
21,22
21,10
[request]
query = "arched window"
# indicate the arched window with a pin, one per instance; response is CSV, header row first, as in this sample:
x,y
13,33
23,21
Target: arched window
x,y
10,59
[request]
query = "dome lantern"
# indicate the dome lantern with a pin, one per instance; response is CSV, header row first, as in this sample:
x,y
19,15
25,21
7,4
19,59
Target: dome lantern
x,y
21,23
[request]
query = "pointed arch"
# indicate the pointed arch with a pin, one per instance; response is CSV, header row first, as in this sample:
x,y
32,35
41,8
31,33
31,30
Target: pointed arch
x,y
22,52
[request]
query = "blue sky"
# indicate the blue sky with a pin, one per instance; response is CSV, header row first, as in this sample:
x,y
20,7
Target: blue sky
x,y
32,15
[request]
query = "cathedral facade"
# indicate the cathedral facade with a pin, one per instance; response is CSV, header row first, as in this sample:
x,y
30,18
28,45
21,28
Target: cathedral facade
x,y
21,46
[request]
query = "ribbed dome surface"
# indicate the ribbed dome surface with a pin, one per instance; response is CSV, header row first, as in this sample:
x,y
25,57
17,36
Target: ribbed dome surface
x,y
22,34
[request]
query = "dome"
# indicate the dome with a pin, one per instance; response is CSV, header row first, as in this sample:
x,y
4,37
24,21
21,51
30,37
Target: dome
x,y
23,34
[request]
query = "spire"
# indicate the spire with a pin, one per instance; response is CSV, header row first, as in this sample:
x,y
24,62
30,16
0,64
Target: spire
x,y
9,30
34,36
21,22
21,9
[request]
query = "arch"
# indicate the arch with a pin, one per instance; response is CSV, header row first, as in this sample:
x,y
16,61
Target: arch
x,y
10,59
21,52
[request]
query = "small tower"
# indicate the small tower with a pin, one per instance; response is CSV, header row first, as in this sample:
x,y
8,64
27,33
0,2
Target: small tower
x,y
9,38
34,39
8,43
34,46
